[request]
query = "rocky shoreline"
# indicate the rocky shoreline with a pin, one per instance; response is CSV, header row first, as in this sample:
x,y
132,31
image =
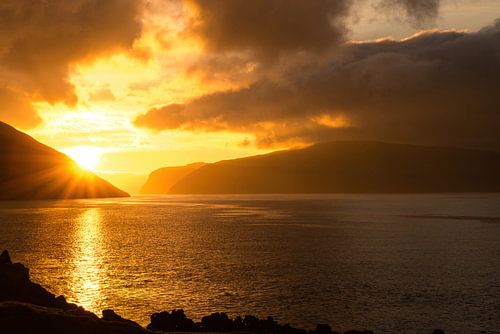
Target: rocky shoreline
x,y
27,307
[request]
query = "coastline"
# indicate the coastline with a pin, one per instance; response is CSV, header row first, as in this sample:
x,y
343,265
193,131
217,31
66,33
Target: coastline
x,y
27,307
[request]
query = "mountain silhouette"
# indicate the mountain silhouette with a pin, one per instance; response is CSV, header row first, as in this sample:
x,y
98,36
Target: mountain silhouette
x,y
350,167
31,170
161,180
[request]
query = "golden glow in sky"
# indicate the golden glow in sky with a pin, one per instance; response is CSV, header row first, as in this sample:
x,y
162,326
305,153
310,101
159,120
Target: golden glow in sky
x,y
163,65
98,132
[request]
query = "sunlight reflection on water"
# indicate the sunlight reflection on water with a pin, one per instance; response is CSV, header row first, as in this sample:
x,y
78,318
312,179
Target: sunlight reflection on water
x,y
389,263
89,272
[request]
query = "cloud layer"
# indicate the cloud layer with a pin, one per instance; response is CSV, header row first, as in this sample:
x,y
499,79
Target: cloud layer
x,y
438,87
41,40
270,28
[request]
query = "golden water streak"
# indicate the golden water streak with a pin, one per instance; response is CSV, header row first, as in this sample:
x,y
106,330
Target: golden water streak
x,y
88,276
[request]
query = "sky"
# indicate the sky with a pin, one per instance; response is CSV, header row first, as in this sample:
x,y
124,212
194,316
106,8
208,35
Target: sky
x,y
128,86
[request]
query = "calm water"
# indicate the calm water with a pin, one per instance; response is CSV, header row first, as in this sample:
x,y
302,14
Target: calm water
x,y
389,263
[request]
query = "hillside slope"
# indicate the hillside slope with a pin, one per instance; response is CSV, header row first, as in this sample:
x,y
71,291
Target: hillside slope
x,y
31,170
350,167
161,180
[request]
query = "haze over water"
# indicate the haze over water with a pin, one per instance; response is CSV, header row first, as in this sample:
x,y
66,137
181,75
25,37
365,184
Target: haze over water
x,y
411,263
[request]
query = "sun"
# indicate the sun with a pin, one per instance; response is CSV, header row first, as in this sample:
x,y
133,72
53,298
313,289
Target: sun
x,y
87,157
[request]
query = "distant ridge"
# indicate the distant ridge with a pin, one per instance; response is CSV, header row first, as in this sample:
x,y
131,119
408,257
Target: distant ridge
x,y
31,170
350,167
161,180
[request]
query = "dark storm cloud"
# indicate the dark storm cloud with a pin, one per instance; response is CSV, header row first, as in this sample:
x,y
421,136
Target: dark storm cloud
x,y
40,40
214,67
269,27
251,38
434,88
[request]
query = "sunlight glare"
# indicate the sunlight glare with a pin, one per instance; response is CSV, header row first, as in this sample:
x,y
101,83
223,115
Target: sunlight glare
x,y
86,156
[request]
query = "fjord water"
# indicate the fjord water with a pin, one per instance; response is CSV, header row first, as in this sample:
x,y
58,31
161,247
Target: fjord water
x,y
385,262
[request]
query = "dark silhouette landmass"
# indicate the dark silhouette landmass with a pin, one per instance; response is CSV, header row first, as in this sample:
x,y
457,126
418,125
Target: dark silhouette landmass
x,y
161,180
350,167
31,170
26,307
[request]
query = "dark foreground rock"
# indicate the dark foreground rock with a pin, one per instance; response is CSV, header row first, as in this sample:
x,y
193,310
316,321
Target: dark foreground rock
x,y
16,317
110,315
26,307
176,321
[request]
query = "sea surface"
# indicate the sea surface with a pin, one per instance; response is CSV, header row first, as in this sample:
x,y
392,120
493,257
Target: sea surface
x,y
390,263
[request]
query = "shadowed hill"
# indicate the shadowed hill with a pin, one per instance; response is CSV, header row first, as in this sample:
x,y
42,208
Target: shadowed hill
x,y
350,167
161,180
31,170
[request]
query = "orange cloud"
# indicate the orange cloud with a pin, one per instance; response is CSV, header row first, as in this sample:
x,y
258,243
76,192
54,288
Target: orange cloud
x,y
16,108
438,87
41,40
